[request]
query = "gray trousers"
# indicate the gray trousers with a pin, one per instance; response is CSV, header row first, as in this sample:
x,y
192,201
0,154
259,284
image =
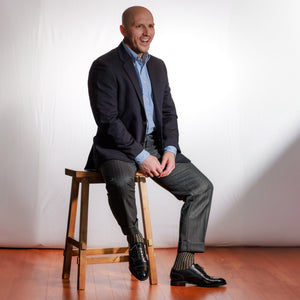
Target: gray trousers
x,y
185,182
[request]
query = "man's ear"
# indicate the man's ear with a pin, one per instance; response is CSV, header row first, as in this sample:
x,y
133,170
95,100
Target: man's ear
x,y
123,30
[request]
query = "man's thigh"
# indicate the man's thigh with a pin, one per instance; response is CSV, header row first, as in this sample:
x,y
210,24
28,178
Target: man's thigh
x,y
184,180
117,170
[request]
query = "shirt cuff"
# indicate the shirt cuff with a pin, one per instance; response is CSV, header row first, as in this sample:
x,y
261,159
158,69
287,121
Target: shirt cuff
x,y
171,149
140,158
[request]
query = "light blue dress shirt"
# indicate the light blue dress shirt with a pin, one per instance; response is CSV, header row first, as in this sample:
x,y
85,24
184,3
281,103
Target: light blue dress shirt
x,y
140,65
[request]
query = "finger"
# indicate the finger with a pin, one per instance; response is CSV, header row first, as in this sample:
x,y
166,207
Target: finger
x,y
150,174
164,173
158,168
145,173
157,172
167,171
154,174
163,163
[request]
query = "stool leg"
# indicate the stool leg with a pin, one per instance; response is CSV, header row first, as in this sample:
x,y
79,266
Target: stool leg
x,y
70,229
147,229
83,234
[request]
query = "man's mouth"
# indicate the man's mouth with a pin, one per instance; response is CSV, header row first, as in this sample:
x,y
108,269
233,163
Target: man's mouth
x,y
145,41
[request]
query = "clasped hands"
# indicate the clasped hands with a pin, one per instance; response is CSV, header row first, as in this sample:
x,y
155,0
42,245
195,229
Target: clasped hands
x,y
151,167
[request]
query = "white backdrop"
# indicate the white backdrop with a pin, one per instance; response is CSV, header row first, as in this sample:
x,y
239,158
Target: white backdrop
x,y
234,72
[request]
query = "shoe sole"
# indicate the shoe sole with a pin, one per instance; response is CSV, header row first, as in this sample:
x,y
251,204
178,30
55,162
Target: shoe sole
x,y
183,283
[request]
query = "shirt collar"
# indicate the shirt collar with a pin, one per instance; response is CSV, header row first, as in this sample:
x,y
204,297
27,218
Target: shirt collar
x,y
144,59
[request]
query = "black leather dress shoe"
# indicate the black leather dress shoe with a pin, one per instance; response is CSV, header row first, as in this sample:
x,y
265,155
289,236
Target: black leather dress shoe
x,y
138,263
195,275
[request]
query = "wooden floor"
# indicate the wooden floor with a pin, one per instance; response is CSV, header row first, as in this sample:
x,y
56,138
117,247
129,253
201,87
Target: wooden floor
x,y
251,273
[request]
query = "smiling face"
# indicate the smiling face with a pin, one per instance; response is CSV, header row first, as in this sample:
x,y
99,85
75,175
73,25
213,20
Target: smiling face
x,y
138,29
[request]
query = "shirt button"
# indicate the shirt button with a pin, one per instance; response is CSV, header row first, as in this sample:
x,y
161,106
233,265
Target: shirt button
x,y
146,98
144,81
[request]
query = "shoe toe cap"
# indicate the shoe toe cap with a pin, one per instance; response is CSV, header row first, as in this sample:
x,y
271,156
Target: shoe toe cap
x,y
141,273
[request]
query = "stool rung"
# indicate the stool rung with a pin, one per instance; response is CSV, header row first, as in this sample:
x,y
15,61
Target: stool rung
x,y
73,242
101,251
107,259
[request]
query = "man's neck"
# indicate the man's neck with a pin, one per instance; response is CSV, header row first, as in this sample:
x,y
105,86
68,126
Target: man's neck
x,y
143,56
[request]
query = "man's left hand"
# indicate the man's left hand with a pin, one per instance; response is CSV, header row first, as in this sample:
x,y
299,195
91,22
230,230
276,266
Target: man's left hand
x,y
167,163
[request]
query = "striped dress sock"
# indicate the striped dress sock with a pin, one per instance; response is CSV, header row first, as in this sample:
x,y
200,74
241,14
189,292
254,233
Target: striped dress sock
x,y
184,260
135,238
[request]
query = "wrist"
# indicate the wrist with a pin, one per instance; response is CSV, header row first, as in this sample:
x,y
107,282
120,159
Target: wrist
x,y
141,157
171,149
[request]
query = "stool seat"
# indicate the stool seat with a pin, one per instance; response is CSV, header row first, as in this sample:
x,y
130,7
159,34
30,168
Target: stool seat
x,y
79,247
92,175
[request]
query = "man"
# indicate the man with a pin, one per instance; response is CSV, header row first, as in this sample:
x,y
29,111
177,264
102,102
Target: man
x,y
137,130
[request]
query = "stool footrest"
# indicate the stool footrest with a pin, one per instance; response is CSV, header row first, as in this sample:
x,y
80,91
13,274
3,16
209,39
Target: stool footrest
x,y
101,251
107,259
73,242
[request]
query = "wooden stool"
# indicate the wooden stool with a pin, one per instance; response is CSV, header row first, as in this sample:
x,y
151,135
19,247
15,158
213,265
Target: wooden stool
x,y
86,178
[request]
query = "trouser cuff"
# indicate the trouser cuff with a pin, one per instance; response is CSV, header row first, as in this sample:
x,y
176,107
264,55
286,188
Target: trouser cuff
x,y
186,246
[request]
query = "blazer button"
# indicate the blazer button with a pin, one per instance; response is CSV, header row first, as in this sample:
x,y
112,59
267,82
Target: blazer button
x,y
145,123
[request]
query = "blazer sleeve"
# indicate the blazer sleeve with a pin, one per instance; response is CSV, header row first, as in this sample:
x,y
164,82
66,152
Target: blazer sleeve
x,y
103,92
169,117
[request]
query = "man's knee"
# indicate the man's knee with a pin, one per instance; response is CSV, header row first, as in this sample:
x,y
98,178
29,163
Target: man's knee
x,y
204,189
120,185
203,184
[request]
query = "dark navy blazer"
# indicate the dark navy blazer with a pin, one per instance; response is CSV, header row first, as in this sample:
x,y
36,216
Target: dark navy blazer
x,y
117,104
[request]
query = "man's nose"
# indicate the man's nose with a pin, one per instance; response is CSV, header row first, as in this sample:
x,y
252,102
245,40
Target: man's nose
x,y
146,31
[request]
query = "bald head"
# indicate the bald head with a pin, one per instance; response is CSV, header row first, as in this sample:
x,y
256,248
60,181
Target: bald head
x,y
130,13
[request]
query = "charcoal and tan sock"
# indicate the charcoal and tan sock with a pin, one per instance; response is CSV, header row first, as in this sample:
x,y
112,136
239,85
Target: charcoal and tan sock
x,y
135,238
184,260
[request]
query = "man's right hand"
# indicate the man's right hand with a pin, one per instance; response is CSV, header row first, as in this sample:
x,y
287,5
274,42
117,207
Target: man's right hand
x,y
151,167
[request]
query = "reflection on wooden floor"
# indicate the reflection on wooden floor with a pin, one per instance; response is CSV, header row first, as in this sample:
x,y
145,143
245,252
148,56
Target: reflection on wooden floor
x,y
251,273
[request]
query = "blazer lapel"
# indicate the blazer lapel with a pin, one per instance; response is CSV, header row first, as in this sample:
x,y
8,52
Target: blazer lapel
x,y
130,70
155,82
